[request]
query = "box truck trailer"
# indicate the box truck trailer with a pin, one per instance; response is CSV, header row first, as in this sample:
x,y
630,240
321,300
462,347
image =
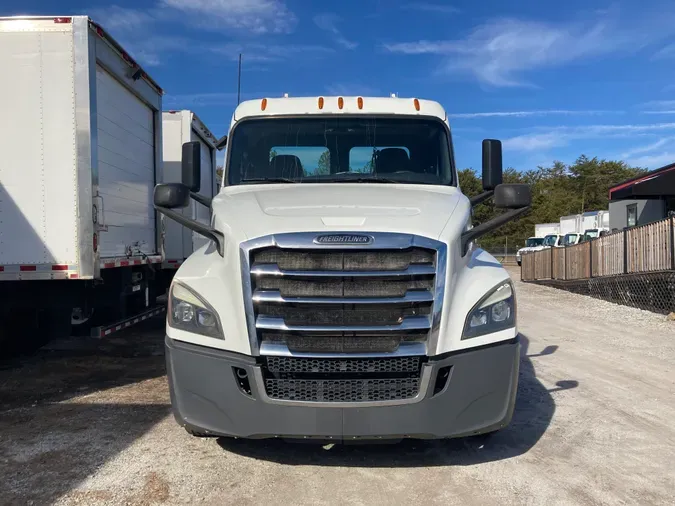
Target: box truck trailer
x,y
81,153
341,295
179,127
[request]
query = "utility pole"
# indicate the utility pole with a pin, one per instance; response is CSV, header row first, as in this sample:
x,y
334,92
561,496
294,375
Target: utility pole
x,y
239,81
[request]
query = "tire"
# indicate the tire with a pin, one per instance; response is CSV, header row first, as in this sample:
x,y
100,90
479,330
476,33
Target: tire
x,y
519,262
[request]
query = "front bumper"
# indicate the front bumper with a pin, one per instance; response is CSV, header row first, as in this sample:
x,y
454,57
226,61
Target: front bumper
x,y
478,397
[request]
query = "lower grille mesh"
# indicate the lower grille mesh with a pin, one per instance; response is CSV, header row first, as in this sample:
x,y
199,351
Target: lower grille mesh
x,y
344,390
310,379
343,366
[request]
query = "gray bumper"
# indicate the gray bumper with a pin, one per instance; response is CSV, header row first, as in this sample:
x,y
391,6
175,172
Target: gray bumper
x,y
478,397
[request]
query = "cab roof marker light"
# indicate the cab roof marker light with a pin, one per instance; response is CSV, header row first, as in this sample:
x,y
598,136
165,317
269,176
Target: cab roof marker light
x,y
320,103
341,103
417,104
263,104
359,101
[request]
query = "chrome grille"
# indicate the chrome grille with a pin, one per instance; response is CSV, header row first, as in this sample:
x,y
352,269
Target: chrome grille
x,y
350,299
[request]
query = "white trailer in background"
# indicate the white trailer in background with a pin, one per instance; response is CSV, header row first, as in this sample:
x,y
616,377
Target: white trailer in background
x,y
544,229
179,127
81,153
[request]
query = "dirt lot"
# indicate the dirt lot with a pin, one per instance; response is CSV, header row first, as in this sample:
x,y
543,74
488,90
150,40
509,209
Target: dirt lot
x,y
90,424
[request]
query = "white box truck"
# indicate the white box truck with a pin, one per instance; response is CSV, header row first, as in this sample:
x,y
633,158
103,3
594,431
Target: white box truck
x,y
81,153
341,295
571,228
179,127
544,229
594,222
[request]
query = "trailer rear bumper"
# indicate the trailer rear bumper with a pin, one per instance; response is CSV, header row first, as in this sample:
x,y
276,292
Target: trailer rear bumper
x,y
478,397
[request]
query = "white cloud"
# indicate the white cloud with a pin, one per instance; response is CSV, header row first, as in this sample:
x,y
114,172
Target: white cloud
x,y
254,52
525,114
500,52
665,52
121,19
647,148
350,89
328,22
135,30
659,107
192,100
653,161
432,7
255,16
562,136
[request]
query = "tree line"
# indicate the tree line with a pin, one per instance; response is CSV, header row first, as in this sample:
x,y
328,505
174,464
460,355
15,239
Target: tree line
x,y
558,190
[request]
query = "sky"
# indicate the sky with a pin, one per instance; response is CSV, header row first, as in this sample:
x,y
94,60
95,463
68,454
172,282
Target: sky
x,y
551,80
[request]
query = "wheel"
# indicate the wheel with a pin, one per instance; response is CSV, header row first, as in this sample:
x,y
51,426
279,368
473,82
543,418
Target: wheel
x,y
519,262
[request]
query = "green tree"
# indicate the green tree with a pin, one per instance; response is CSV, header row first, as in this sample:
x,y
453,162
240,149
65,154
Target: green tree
x,y
323,165
558,190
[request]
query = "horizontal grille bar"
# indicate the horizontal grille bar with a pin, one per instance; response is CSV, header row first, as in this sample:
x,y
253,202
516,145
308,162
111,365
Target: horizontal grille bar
x,y
337,345
411,271
275,297
409,323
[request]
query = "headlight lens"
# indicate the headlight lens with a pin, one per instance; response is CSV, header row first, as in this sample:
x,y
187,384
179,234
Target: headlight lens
x,y
496,311
189,312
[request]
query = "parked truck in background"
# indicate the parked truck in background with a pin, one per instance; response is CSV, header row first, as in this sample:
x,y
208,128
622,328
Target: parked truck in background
x,y
341,295
178,128
81,152
544,229
594,223
531,244
571,228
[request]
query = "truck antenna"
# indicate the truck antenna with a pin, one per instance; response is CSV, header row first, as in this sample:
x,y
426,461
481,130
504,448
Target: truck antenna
x,y
239,81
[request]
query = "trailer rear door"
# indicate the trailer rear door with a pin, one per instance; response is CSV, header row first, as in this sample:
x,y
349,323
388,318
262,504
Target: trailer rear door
x,y
126,165
38,169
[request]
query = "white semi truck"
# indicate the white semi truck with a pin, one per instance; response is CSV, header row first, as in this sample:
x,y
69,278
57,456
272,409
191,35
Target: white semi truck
x,y
340,295
80,241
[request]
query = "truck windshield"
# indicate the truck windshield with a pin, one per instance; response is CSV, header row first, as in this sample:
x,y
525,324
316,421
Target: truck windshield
x,y
550,240
570,239
340,150
534,241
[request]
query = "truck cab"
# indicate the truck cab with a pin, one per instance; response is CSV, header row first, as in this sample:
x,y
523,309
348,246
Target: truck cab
x,y
553,241
531,244
571,239
341,295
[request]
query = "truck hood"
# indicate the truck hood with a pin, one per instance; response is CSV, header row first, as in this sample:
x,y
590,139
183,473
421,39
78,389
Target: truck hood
x,y
256,210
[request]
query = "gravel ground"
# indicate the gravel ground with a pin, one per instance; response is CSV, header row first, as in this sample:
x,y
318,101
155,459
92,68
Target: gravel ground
x,y
90,423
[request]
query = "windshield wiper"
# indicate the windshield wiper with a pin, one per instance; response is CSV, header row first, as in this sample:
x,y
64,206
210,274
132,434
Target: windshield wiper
x,y
367,179
269,180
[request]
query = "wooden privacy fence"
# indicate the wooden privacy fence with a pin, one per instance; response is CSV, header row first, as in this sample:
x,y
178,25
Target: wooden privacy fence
x,y
647,248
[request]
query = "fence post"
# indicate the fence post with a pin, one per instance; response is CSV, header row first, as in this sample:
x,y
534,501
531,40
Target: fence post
x,y
552,277
672,242
625,252
566,264
590,259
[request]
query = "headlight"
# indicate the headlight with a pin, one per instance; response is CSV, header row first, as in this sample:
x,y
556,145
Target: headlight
x,y
189,312
496,311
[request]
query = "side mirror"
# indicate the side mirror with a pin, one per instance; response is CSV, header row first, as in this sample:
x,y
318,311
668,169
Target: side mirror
x,y
221,143
492,164
512,196
191,166
171,195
